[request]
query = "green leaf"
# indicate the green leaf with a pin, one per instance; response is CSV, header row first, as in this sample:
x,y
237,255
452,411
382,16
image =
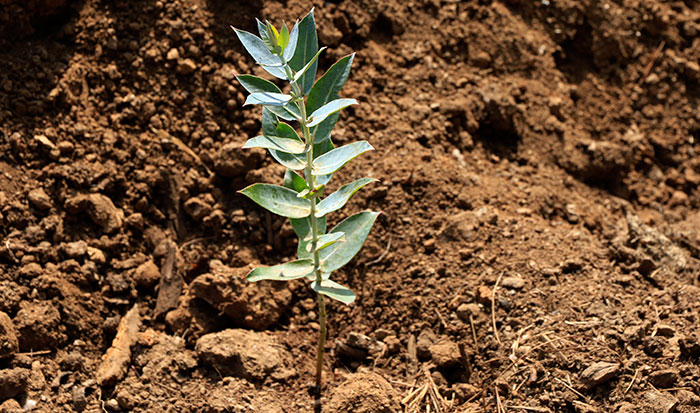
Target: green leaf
x,y
319,149
284,36
276,111
254,84
336,158
279,200
325,90
313,60
277,143
257,48
334,290
282,272
337,199
356,229
291,46
328,109
294,181
292,161
307,46
302,227
326,240
267,99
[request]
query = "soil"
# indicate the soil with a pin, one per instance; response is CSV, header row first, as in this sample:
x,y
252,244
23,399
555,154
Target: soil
x,y
539,248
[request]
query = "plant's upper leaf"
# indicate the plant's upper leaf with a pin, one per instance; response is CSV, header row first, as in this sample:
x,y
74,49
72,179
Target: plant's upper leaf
x,y
254,84
325,240
334,290
325,90
294,181
302,227
320,149
356,229
257,48
307,46
277,143
267,99
333,160
292,45
304,69
279,200
293,161
328,109
337,199
282,272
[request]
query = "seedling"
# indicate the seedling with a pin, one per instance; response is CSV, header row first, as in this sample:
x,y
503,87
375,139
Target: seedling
x,y
292,56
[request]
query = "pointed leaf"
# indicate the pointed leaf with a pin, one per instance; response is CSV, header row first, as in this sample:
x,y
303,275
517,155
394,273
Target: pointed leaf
x,y
267,99
325,90
307,46
259,51
292,43
320,149
254,84
277,143
336,158
313,60
282,272
334,290
284,36
356,229
283,130
293,181
328,109
279,200
337,199
282,112
326,240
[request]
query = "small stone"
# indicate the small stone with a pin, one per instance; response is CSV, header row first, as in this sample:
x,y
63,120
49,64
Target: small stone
x,y
466,310
185,67
690,346
426,338
76,249
246,354
13,382
664,378
172,54
39,199
96,255
393,344
445,354
481,59
147,274
66,147
11,406
79,399
658,402
513,283
8,336
678,198
599,373
112,405
197,208
483,295
429,245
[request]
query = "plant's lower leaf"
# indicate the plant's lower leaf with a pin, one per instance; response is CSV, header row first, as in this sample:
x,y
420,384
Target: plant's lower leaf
x,y
320,114
325,240
337,199
302,227
356,229
334,290
275,142
279,200
335,159
294,181
282,272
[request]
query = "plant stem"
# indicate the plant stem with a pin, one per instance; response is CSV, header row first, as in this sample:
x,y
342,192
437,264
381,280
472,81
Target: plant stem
x,y
309,177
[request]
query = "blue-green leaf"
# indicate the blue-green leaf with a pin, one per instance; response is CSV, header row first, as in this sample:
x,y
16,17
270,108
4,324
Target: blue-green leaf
x,y
292,161
267,99
334,290
320,114
292,45
277,143
333,160
302,227
325,90
337,199
282,272
294,181
258,50
326,240
356,229
304,69
279,200
269,121
254,84
307,46
320,149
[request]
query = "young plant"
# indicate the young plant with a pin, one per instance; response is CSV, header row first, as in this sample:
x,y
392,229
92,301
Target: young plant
x,y
291,55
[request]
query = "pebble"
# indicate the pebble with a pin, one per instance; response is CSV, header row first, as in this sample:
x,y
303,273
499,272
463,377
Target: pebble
x,y
8,336
513,283
186,66
664,378
599,373
464,311
483,295
147,274
76,249
39,199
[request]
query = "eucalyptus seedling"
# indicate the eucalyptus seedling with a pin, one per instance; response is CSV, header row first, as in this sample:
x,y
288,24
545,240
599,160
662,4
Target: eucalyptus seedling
x,y
310,159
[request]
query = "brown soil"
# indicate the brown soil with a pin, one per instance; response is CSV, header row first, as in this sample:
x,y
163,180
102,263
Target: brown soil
x,y
539,174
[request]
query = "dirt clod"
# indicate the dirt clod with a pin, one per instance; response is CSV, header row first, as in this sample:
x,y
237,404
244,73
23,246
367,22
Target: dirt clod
x,y
13,382
363,392
599,373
